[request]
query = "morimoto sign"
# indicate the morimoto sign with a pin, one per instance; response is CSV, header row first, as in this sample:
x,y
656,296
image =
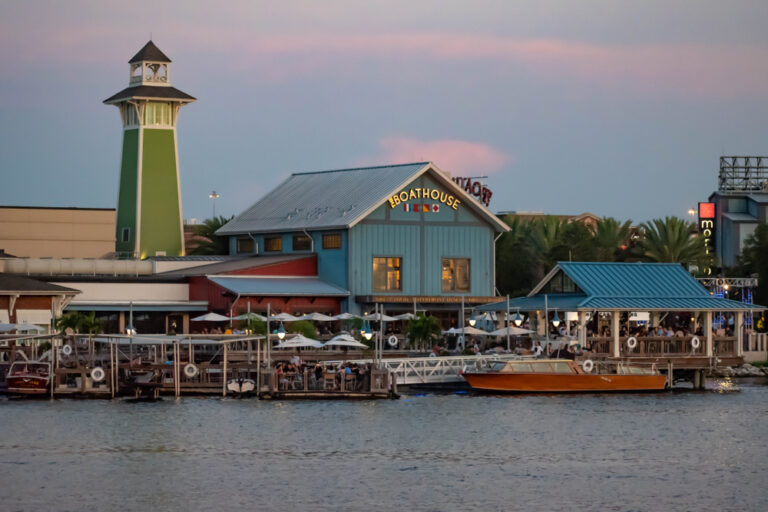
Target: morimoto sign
x,y
707,227
475,188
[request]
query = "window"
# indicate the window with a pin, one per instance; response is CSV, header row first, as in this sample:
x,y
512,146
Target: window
x,y
274,244
125,236
456,275
302,243
332,241
245,245
386,274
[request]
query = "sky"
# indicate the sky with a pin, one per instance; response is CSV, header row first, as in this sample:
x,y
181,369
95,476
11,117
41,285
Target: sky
x,y
618,108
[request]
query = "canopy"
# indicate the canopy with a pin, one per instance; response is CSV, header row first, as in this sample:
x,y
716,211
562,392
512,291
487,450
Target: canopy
x,y
251,316
513,331
284,317
405,316
29,327
467,330
299,341
345,316
376,317
211,317
344,340
317,317
7,327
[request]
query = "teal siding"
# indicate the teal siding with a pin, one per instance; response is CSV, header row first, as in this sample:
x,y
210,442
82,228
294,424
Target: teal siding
x,y
369,240
473,242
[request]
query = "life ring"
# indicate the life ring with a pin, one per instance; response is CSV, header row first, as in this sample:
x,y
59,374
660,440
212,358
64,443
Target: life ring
x,y
392,341
98,374
190,370
588,365
632,342
66,350
695,342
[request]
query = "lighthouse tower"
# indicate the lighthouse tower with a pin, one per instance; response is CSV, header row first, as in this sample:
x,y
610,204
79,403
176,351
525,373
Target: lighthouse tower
x,y
149,221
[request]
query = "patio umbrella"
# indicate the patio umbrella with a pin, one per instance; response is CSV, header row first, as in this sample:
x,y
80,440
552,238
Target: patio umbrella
x,y
404,316
211,317
344,340
376,317
513,331
7,327
29,327
345,316
250,316
284,317
317,317
299,341
467,330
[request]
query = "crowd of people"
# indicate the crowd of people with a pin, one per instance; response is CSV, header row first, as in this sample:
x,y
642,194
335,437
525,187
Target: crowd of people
x,y
319,376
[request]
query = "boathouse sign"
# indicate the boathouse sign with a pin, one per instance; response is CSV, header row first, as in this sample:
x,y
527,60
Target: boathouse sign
x,y
424,193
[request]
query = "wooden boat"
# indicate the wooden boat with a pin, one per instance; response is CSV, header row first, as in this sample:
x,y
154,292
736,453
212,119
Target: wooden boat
x,y
562,376
29,378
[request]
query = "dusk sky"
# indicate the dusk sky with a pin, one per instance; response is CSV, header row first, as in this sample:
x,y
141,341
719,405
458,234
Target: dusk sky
x,y
617,108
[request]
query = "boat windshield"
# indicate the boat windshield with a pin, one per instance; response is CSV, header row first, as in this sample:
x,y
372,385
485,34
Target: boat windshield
x,y
538,367
29,369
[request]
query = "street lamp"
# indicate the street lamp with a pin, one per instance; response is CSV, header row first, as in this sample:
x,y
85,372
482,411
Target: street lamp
x,y
281,332
214,195
692,212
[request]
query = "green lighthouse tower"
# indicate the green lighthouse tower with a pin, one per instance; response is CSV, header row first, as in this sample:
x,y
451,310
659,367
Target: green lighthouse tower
x,y
149,221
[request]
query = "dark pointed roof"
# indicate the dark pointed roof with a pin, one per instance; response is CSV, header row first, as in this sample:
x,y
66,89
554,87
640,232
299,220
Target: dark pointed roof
x,y
151,92
149,52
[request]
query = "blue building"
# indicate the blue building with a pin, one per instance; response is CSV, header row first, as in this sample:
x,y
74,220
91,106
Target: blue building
x,y
405,236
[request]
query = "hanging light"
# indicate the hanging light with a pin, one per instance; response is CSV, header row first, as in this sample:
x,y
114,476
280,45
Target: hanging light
x,y
556,320
472,320
518,319
281,332
367,332
363,328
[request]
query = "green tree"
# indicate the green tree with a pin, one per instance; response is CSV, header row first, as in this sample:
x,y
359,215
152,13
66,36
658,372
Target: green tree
x,y
612,239
673,240
422,329
206,241
754,260
79,323
515,258
304,327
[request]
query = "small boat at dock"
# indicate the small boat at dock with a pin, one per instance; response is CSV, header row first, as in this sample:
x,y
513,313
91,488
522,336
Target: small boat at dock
x,y
29,378
563,376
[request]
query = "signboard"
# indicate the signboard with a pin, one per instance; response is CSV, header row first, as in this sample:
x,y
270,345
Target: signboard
x,y
427,193
707,228
475,188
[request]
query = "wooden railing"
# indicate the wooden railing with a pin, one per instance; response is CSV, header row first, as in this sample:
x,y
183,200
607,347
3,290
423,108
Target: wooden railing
x,y
654,346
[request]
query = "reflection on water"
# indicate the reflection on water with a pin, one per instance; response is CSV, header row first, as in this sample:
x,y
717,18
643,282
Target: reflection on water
x,y
674,451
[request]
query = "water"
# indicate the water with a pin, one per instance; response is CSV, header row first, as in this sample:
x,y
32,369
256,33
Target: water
x,y
678,451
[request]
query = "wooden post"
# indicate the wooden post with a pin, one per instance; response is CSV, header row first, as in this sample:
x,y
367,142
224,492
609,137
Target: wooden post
x,y
176,384
53,365
616,345
224,373
258,367
708,333
670,375
739,325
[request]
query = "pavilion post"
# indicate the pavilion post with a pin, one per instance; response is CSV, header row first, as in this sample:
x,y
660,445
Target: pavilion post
x,y
616,344
224,373
739,325
507,325
708,333
582,329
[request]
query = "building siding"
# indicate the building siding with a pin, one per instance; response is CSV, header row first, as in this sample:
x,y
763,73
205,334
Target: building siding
x,y
126,201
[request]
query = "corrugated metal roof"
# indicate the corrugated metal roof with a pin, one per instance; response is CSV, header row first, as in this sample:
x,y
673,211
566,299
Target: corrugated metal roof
x,y
655,280
150,92
536,302
672,304
234,264
149,52
279,286
335,199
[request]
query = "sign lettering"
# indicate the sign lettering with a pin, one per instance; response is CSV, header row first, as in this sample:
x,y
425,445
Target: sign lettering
x,y
707,227
475,188
424,193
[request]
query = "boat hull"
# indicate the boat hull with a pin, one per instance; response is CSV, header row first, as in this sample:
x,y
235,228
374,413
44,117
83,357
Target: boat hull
x,y
27,385
563,383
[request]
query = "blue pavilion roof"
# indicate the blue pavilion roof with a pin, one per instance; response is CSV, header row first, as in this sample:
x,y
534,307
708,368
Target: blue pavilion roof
x,y
279,286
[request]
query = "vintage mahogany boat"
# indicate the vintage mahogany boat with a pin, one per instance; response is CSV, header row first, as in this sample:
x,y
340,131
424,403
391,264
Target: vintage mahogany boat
x,y
28,378
562,376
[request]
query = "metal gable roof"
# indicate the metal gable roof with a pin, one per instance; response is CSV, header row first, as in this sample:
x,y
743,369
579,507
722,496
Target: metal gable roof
x,y
334,199
279,286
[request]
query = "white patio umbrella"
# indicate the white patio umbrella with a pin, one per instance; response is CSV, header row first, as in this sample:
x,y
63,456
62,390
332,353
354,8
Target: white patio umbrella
x,y
404,316
284,317
379,317
467,330
29,327
7,327
211,317
317,317
344,340
299,341
250,316
345,316
513,331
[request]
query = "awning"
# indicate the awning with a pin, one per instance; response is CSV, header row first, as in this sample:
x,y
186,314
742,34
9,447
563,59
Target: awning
x,y
276,286
159,306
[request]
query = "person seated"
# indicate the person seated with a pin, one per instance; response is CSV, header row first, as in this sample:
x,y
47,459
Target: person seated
x,y
537,349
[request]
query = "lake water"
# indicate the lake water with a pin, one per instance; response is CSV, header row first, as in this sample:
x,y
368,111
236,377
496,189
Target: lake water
x,y
672,451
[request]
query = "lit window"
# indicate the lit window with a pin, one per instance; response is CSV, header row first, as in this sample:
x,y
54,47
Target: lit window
x,y
386,274
273,244
302,243
456,275
245,245
332,241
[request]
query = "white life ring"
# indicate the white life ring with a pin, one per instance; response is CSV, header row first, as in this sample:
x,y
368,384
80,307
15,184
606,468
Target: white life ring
x,y
190,370
392,341
632,342
588,365
66,350
695,342
432,354
98,374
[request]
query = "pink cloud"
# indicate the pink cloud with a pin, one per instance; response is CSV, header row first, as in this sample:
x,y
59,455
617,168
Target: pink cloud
x,y
458,157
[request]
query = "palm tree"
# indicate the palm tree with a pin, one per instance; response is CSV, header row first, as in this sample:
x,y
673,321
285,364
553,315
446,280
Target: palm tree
x,y
612,239
515,258
422,329
673,240
206,241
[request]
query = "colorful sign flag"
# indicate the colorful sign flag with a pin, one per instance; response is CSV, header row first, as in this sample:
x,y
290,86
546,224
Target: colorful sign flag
x,y
421,207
